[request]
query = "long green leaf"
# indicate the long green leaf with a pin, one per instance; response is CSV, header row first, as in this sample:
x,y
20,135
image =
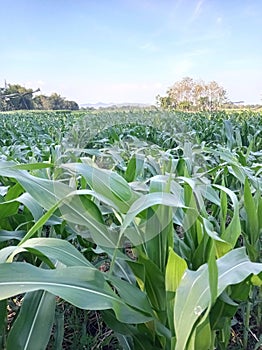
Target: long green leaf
x,y
107,183
175,269
233,230
53,194
7,235
84,287
193,295
146,202
32,327
251,211
176,266
54,248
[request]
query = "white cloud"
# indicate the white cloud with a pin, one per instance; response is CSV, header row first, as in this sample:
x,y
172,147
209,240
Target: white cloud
x,y
198,9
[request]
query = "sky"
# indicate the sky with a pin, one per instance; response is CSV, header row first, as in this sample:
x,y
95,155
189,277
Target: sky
x,y
131,50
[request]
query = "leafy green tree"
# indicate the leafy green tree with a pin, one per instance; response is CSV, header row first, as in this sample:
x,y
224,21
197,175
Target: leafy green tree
x,y
41,102
185,105
58,102
164,102
17,97
71,105
54,101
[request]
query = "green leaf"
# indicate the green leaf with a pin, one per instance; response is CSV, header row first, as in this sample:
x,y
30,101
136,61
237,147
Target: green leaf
x,y
59,329
125,341
6,252
223,210
154,283
176,266
75,211
8,206
193,295
157,247
259,213
33,166
201,338
46,192
251,212
55,248
223,309
238,172
212,273
143,203
32,328
229,133
34,207
131,295
256,281
233,230
7,235
133,337
42,220
135,167
106,183
84,287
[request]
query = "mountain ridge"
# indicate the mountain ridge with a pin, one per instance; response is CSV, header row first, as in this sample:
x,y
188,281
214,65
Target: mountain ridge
x,y
99,104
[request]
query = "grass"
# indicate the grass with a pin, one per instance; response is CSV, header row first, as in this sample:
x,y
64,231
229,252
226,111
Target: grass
x,y
80,329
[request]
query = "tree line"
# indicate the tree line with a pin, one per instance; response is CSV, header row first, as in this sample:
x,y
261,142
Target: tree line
x,y
188,94
17,97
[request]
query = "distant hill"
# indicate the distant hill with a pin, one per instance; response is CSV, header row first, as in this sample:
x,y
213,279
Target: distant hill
x,y
112,104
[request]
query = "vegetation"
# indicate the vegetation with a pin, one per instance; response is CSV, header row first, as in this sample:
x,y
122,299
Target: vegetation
x,y
17,97
188,94
149,222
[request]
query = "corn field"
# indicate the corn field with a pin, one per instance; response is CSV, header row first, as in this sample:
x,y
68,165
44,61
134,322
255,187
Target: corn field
x,y
150,220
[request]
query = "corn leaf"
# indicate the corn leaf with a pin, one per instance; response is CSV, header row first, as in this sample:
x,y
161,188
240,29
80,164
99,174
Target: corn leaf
x,y
193,295
32,328
84,287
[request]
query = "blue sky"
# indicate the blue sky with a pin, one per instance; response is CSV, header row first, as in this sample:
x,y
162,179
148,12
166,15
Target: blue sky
x,y
131,50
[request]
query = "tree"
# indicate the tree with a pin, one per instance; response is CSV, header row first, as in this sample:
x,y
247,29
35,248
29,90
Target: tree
x,y
58,102
41,102
216,95
164,102
71,105
15,96
3,102
188,94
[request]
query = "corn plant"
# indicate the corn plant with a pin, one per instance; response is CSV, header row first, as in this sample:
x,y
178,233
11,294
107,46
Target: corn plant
x,y
140,298
162,239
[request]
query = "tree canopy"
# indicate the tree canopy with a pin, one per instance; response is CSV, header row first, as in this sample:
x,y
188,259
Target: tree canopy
x,y
16,97
188,94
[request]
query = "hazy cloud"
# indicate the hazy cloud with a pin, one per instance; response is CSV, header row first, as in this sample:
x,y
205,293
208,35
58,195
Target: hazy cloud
x,y
198,9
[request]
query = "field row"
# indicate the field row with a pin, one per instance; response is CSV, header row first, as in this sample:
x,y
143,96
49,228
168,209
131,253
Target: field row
x,y
154,218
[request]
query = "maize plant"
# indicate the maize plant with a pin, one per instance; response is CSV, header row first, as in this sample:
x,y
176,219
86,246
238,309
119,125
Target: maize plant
x,y
152,219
